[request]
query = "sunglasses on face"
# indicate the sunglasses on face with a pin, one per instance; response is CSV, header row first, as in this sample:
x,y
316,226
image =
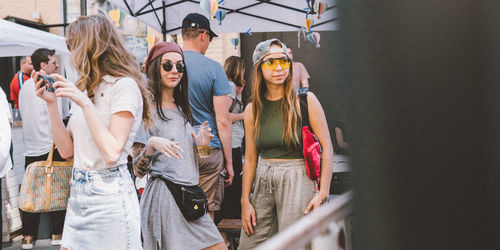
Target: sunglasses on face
x,y
272,64
201,32
168,66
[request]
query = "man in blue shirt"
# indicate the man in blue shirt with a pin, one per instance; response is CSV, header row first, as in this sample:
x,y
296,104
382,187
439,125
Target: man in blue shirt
x,y
208,89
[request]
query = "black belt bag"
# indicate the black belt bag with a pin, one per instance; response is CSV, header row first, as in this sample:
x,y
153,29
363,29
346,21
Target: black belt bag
x,y
191,200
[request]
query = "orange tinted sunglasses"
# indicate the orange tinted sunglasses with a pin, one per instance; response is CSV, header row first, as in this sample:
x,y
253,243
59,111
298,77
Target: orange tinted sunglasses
x,y
272,64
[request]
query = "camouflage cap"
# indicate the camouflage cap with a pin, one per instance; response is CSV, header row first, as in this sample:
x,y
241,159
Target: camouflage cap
x,y
264,48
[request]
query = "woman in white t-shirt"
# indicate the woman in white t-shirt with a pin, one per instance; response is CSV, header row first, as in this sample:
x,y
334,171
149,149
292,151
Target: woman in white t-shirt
x,y
108,107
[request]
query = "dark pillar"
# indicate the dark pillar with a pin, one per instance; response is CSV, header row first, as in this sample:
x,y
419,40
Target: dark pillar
x,y
421,79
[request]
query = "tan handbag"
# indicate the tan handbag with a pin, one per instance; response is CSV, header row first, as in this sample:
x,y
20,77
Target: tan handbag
x,y
45,186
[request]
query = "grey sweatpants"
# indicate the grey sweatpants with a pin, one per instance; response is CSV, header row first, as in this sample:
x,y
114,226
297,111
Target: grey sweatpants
x,y
281,192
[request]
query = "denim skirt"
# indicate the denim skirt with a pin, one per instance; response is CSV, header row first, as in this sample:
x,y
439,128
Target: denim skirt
x,y
103,211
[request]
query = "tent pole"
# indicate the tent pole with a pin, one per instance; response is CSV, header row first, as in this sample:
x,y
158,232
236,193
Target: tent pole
x,y
164,24
83,7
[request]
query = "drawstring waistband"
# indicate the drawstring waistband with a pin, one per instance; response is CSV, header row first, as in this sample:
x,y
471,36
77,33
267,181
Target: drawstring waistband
x,y
267,168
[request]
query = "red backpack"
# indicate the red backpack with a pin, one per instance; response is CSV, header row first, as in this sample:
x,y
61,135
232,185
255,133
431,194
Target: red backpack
x,y
310,144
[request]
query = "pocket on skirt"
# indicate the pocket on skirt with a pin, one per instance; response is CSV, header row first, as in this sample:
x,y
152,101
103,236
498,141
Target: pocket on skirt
x,y
105,187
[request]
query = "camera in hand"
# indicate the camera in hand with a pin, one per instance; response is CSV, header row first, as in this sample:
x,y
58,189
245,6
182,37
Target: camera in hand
x,y
47,80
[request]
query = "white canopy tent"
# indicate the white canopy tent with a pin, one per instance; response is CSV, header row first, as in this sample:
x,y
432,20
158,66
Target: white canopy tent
x,y
19,40
241,15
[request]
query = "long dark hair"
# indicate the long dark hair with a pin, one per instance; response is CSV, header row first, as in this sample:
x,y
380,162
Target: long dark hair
x,y
288,108
180,91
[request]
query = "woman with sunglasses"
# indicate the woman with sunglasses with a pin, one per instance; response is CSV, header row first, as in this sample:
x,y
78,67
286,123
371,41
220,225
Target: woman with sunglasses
x,y
274,169
170,155
108,107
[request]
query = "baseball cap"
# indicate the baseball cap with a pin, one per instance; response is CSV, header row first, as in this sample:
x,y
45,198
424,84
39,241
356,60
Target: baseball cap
x,y
264,48
196,20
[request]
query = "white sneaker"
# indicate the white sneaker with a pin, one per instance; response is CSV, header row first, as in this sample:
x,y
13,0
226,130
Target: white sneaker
x,y
27,244
56,240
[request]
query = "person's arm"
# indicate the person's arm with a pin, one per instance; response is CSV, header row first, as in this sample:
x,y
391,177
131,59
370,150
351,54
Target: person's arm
x,y
136,149
224,126
5,106
236,117
142,162
5,139
248,218
340,138
319,125
60,134
110,142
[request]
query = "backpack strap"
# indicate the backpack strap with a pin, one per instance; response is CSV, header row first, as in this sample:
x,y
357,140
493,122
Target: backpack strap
x,y
303,107
20,79
232,105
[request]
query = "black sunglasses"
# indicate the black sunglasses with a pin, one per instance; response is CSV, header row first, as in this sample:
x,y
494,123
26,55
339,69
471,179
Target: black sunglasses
x,y
168,65
209,35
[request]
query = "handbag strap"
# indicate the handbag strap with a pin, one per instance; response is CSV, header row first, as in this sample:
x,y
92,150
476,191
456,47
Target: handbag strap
x,y
304,112
304,107
50,158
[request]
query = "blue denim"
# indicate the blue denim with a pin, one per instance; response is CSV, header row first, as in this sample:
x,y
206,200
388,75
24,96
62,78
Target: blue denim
x,y
103,211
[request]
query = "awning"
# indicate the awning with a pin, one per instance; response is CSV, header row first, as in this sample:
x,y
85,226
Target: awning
x,y
241,15
19,40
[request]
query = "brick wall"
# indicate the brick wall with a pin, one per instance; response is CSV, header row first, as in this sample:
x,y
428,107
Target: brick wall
x,y
50,11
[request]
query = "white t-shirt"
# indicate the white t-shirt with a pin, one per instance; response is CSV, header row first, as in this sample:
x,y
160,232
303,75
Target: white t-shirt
x,y
111,96
37,132
5,136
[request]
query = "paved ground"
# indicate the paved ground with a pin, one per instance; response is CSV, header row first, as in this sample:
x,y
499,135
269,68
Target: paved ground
x,y
39,244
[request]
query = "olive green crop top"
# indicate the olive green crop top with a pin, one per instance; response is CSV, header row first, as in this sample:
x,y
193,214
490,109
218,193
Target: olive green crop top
x,y
270,143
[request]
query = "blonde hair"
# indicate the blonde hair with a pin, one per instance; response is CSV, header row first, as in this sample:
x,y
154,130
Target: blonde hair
x,y
97,49
288,107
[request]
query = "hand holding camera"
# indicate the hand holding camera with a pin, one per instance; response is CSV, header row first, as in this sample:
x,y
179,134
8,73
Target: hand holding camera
x,y
42,85
48,82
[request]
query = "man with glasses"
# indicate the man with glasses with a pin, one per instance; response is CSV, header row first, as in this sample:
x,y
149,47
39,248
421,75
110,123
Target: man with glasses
x,y
208,90
37,135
